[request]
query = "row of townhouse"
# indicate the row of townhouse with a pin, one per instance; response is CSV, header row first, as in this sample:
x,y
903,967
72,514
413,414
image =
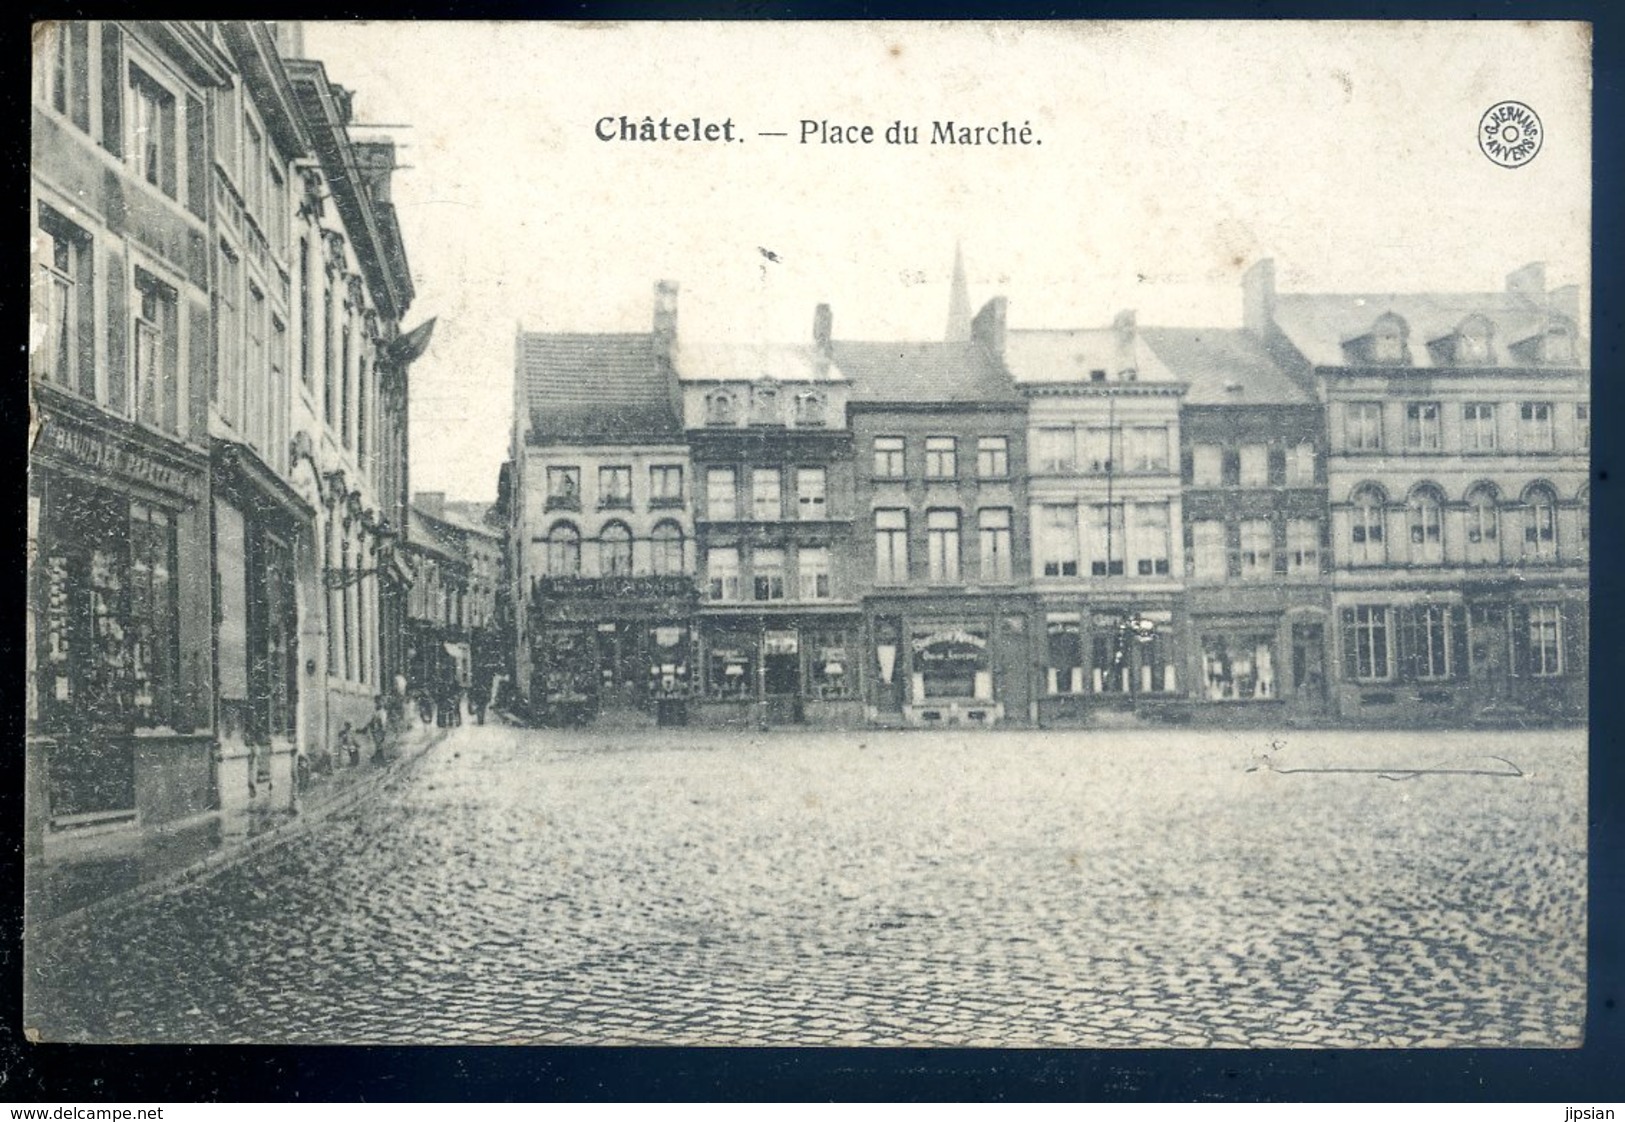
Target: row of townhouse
x,y
454,629
1367,508
218,379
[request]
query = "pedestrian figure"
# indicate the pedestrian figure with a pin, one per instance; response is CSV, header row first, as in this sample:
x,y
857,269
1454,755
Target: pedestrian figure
x,y
351,746
379,728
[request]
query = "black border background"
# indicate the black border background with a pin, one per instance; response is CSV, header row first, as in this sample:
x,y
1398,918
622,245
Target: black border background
x,y
1595,1073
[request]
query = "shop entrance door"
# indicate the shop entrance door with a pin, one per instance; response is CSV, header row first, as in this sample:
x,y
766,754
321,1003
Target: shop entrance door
x,y
622,668
1309,666
781,676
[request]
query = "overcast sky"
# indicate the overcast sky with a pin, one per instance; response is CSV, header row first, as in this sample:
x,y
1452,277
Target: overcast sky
x,y
1173,156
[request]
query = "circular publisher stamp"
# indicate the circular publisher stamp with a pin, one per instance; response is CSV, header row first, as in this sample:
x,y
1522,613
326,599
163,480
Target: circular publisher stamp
x,y
1510,134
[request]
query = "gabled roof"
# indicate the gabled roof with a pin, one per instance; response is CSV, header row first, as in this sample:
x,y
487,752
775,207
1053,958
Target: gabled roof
x,y
1320,324
1223,366
946,373
1071,355
427,535
584,389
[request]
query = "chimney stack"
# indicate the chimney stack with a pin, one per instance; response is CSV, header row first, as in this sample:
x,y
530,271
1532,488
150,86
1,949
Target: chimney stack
x,y
823,326
1124,327
989,326
1529,280
1258,296
665,320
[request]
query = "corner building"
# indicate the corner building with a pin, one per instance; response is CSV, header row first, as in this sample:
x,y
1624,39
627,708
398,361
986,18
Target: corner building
x,y
602,537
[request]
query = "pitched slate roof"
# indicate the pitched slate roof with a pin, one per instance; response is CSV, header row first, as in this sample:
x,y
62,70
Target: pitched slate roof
x,y
750,362
425,534
583,389
1223,366
1318,324
1064,356
924,372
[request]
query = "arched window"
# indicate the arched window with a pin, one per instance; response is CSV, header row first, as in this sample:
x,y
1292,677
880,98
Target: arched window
x,y
615,550
1366,544
1539,522
667,543
1483,525
1424,514
719,408
563,551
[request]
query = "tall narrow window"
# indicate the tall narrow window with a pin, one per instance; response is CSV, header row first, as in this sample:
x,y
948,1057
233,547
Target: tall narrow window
x,y
992,457
1107,542
330,391
1540,523
1545,640
1535,426
563,488
229,377
1303,547
1368,628
615,488
722,573
891,547
1422,426
1254,465
810,498
1148,449
666,485
1056,451
1363,426
767,574
1582,426
1058,540
346,427
1366,538
1257,545
889,457
942,539
277,423
615,550
941,457
254,365
1208,553
152,132
1483,526
1425,514
1100,449
157,353
66,58
563,551
813,573
1300,465
766,498
1478,427
721,495
666,550
65,355
307,316
1149,545
1424,642
994,533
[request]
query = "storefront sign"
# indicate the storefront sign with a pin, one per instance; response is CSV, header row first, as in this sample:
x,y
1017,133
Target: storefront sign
x,y
780,642
949,639
108,457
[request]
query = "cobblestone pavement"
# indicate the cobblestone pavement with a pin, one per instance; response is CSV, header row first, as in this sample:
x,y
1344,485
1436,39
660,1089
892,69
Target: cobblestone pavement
x,y
1102,889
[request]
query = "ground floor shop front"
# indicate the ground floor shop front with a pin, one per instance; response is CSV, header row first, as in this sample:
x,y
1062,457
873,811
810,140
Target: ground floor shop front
x,y
1502,652
118,633
944,661
771,668
1104,656
1258,656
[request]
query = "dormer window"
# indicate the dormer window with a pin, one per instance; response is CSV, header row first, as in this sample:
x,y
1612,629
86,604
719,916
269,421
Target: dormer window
x,y
719,408
1473,342
764,406
1557,346
1388,341
810,409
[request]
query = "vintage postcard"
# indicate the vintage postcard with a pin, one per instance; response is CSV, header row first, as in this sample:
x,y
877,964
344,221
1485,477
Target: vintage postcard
x,y
825,534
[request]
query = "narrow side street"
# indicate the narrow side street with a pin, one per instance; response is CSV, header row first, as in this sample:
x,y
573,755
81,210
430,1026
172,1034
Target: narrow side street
x,y
1116,889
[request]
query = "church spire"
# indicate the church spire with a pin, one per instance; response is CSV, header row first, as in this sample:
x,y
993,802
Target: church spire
x,y
959,302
